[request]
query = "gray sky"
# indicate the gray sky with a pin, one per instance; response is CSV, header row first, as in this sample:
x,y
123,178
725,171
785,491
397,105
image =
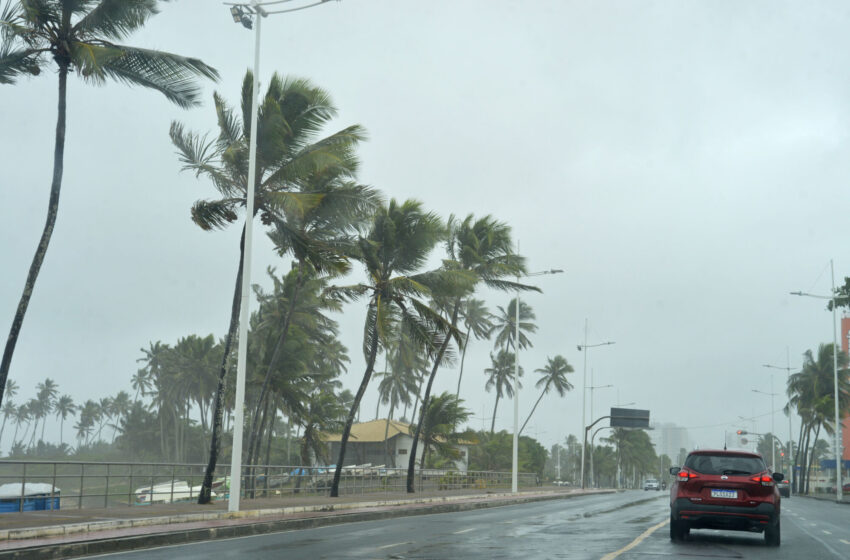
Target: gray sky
x,y
684,162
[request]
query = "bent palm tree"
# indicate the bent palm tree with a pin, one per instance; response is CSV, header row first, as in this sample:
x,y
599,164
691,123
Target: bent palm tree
x,y
554,375
439,429
482,249
291,114
477,320
401,237
501,377
80,35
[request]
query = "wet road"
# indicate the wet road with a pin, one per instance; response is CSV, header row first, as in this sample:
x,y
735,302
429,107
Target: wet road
x,y
626,526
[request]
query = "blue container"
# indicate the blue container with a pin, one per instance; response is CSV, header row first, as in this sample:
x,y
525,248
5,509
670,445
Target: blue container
x,y
31,503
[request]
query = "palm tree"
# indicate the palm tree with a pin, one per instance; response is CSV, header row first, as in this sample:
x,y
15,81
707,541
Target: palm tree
x,y
46,395
80,35
478,321
64,407
399,382
9,409
482,249
121,406
401,237
11,388
439,430
554,375
291,115
141,383
501,377
506,326
812,392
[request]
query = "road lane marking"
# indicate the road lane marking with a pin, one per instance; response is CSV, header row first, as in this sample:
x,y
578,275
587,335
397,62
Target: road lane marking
x,y
845,542
637,541
462,531
392,545
826,532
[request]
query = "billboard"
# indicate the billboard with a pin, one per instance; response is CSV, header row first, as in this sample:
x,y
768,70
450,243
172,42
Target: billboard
x,y
629,418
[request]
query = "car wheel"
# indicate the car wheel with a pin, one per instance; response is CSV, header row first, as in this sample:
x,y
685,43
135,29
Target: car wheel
x,y
678,530
772,535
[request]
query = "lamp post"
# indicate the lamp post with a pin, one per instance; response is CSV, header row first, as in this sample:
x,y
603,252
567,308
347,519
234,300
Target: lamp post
x,y
592,388
789,447
839,494
772,425
247,14
515,456
584,347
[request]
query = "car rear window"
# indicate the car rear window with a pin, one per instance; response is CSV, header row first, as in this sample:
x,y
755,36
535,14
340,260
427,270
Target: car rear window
x,y
725,464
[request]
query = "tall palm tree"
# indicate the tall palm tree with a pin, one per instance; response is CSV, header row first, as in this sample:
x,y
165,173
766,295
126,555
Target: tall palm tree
x,y
401,237
141,383
8,410
483,250
20,416
506,326
121,406
478,321
64,407
46,395
554,376
81,35
291,115
500,375
11,389
317,235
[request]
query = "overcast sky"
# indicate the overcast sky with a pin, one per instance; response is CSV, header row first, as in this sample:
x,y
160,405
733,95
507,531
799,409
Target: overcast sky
x,y
685,163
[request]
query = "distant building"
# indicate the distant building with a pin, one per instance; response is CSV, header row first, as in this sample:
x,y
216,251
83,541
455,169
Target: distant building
x,y
379,443
668,439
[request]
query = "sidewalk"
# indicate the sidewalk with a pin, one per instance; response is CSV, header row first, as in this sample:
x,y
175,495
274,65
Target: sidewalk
x,y
68,533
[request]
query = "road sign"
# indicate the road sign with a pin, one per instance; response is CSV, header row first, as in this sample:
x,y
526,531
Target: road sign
x,y
629,418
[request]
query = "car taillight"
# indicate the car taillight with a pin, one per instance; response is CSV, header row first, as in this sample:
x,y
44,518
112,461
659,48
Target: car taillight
x,y
764,479
685,475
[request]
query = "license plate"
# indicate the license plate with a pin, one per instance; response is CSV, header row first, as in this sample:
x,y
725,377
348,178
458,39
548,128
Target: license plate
x,y
724,493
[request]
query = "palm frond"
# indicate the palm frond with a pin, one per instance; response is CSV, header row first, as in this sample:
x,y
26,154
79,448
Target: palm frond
x,y
215,214
116,19
15,62
172,75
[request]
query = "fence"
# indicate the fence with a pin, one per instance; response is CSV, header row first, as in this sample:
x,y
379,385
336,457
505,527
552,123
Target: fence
x,y
73,484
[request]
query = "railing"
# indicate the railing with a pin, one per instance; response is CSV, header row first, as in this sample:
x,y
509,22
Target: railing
x,y
74,484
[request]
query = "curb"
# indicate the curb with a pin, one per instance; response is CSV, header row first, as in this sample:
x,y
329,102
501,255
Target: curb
x,y
175,537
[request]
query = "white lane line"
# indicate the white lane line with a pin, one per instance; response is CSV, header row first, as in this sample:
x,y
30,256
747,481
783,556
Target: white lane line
x,y
845,542
392,545
825,532
637,541
462,531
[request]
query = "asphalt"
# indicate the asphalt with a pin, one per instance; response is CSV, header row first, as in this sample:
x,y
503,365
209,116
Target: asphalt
x,y
75,533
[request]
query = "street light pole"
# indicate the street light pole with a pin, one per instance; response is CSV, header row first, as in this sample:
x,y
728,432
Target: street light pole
x,y
789,449
515,454
772,428
839,494
584,347
242,13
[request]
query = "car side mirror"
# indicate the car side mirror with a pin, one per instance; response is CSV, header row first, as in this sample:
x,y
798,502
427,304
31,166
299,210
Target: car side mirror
x,y
674,470
778,476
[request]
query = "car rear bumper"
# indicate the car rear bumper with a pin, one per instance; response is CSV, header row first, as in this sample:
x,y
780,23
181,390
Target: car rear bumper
x,y
710,516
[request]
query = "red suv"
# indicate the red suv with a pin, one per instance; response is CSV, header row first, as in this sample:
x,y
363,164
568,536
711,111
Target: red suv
x,y
719,489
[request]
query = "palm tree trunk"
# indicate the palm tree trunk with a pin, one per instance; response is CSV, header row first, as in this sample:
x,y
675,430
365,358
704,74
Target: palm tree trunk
x,y
41,250
252,443
796,477
462,358
61,431
495,408
386,433
2,429
411,464
205,495
533,409
812,459
346,432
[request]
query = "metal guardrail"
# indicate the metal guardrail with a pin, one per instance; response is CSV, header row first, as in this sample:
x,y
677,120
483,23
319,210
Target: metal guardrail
x,y
76,484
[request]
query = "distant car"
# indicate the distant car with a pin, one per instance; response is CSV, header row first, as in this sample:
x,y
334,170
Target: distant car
x,y
784,488
720,489
651,484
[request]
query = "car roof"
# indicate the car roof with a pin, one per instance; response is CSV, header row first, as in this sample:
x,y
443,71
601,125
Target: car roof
x,y
736,452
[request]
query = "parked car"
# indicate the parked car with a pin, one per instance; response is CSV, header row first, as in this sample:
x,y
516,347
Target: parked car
x,y
651,484
784,488
720,489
